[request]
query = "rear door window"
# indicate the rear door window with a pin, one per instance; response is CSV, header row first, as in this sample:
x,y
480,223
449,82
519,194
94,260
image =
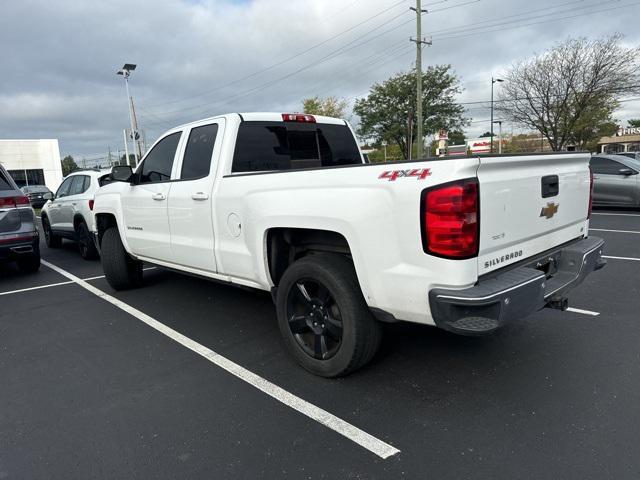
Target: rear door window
x,y
77,186
159,162
268,146
197,155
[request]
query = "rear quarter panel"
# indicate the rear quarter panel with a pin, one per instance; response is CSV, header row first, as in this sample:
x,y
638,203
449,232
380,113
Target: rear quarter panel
x,y
379,218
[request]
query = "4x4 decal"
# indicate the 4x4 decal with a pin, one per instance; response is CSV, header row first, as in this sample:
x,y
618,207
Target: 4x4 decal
x,y
392,175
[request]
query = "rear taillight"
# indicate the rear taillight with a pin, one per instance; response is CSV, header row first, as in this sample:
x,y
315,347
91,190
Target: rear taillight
x,y
298,117
12,202
91,204
590,193
450,219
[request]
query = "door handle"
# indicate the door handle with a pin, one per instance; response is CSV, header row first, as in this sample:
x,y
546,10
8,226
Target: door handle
x,y
158,196
200,196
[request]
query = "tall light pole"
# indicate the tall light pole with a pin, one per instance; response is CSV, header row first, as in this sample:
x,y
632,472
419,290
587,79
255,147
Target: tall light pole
x,y
419,42
493,81
499,122
126,72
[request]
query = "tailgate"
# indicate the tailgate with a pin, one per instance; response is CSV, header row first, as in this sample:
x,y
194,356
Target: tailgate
x,y
530,204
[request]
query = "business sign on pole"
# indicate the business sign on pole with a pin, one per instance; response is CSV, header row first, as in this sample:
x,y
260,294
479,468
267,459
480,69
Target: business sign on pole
x,y
479,145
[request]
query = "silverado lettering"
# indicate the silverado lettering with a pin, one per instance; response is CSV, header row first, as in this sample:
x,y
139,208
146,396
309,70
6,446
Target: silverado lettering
x,y
502,259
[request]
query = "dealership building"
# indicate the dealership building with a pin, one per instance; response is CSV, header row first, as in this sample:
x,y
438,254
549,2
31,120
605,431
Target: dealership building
x,y
32,162
625,140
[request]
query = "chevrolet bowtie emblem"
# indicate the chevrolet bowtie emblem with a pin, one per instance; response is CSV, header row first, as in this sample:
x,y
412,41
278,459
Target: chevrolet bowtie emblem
x,y
550,210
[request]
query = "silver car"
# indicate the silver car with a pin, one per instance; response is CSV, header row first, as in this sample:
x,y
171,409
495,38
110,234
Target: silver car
x,y
616,180
631,155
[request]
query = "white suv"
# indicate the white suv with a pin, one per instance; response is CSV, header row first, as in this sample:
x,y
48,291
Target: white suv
x,y
68,213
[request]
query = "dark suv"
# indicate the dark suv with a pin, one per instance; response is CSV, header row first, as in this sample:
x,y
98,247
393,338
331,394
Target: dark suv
x,y
19,238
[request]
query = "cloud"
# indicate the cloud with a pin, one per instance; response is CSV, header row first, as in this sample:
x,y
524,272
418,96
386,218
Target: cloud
x,y
199,58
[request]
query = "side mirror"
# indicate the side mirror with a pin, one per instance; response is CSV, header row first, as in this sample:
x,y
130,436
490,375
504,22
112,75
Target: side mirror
x,y
48,196
626,172
121,173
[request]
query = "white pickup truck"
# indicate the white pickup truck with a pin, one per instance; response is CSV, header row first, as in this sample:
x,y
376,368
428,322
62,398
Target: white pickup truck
x,y
286,203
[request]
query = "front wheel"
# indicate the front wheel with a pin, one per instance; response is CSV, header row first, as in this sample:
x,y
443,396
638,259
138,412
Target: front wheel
x,y
120,269
323,318
50,239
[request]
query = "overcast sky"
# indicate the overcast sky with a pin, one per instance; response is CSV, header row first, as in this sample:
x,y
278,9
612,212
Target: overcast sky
x,y
197,58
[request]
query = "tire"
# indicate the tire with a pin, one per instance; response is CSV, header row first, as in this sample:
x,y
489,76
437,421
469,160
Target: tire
x,y
50,239
342,303
87,248
121,271
30,264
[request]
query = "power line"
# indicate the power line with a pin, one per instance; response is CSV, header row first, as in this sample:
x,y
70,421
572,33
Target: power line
x,y
476,23
286,60
329,56
552,20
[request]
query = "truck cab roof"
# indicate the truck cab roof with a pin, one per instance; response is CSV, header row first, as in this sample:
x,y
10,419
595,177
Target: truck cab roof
x,y
266,117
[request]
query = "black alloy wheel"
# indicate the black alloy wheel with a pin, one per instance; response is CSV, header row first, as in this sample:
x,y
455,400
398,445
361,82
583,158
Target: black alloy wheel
x,y
324,320
314,319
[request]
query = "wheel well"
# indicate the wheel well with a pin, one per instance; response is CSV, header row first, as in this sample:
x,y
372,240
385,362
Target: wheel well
x,y
286,245
77,220
104,221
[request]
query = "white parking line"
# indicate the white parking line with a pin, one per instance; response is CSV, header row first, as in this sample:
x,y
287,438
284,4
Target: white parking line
x,y
344,428
584,312
621,258
614,231
35,288
57,284
617,214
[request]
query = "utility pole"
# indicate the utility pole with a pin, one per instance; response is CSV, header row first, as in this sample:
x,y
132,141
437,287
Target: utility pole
x,y
419,41
126,148
135,126
499,122
493,82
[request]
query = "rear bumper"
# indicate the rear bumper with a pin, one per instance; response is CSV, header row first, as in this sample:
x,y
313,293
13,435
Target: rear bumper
x,y
14,250
517,292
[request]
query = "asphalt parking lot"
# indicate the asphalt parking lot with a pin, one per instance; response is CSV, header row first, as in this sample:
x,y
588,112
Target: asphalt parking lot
x,y
187,379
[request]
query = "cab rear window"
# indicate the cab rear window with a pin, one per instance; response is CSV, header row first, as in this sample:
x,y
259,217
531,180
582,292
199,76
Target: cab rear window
x,y
268,146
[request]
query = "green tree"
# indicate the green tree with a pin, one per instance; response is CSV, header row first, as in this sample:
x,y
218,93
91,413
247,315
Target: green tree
x,y
329,106
595,123
457,138
487,135
389,109
68,165
634,123
559,92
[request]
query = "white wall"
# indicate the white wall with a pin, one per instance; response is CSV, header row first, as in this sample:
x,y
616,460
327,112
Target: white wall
x,y
33,154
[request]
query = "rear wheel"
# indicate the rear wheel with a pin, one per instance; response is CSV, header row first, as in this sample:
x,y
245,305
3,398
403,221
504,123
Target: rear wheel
x,y
86,246
29,264
50,238
121,270
324,320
